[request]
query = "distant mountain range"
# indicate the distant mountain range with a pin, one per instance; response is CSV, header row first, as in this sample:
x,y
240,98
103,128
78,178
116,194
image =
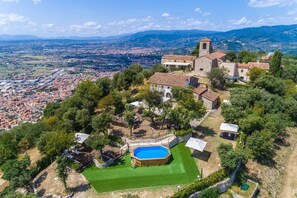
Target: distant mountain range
x,y
267,38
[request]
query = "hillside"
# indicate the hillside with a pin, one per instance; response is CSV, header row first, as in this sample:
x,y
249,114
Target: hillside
x,y
267,38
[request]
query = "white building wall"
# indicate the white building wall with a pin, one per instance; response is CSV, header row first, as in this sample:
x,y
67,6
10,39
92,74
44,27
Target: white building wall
x,y
243,73
231,68
167,90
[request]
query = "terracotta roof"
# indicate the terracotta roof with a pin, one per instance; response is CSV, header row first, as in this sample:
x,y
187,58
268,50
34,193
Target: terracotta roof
x,y
205,40
264,66
243,65
215,55
208,56
199,90
179,57
249,65
169,79
209,95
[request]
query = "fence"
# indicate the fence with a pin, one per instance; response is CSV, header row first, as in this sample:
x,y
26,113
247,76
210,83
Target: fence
x,y
168,141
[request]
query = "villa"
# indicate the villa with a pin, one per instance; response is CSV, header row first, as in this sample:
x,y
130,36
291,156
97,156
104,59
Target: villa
x,y
184,63
164,82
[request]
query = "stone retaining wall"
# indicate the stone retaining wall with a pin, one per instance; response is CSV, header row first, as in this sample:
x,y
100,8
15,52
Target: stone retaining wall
x,y
223,185
102,165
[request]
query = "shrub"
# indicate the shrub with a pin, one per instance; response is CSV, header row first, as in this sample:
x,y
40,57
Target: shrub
x,y
202,184
73,165
210,193
183,132
115,139
241,176
41,164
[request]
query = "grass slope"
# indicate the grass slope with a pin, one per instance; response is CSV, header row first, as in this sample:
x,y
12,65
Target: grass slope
x,y
181,170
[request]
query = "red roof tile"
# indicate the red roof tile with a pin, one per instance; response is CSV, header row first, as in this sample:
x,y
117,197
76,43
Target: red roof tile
x,y
199,90
169,79
210,95
179,57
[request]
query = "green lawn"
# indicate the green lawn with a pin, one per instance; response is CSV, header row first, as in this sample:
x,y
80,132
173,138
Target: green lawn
x,y
181,170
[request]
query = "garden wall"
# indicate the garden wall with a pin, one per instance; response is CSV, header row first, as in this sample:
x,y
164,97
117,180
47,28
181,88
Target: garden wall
x,y
102,165
178,140
221,186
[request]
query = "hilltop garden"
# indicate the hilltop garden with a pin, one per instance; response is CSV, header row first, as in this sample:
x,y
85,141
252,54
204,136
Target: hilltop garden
x,y
92,110
263,109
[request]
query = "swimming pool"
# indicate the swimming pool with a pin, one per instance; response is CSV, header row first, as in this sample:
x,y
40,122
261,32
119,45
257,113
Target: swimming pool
x,y
150,156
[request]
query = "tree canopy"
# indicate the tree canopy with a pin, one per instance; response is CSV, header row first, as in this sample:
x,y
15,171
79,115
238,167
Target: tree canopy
x,y
17,172
275,65
217,78
231,56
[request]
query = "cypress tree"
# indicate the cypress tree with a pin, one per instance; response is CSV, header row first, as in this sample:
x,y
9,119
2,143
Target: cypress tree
x,y
275,66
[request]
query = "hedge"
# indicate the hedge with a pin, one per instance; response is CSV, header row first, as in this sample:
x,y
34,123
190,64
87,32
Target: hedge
x,y
183,132
115,139
202,184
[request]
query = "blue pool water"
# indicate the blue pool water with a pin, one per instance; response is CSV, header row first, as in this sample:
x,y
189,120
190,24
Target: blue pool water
x,y
151,152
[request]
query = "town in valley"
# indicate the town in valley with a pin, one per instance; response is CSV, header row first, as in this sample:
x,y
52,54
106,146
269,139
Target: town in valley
x,y
142,99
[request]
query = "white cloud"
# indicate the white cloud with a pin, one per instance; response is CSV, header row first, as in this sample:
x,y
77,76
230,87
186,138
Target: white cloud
x,y
11,18
198,10
36,1
242,21
165,14
206,14
16,1
13,1
127,22
90,24
265,21
292,12
87,26
270,3
192,22
48,25
32,23
201,12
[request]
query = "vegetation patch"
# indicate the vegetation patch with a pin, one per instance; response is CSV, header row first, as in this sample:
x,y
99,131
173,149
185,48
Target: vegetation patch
x,y
244,193
181,169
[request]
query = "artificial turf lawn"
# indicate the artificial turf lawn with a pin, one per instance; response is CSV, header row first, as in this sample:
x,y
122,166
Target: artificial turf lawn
x,y
181,170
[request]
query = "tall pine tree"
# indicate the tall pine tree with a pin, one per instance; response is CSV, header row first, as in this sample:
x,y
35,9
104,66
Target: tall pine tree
x,y
275,65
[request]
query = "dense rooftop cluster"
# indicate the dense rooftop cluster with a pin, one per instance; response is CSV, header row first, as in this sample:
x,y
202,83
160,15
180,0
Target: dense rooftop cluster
x,y
23,99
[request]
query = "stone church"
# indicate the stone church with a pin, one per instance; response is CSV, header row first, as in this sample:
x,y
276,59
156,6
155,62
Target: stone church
x,y
208,59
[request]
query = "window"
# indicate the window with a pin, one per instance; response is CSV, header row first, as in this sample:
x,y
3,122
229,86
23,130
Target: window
x,y
174,60
184,61
242,71
204,46
201,69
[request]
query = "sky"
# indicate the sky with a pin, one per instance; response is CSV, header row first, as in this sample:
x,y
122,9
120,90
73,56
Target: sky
x,y
55,18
